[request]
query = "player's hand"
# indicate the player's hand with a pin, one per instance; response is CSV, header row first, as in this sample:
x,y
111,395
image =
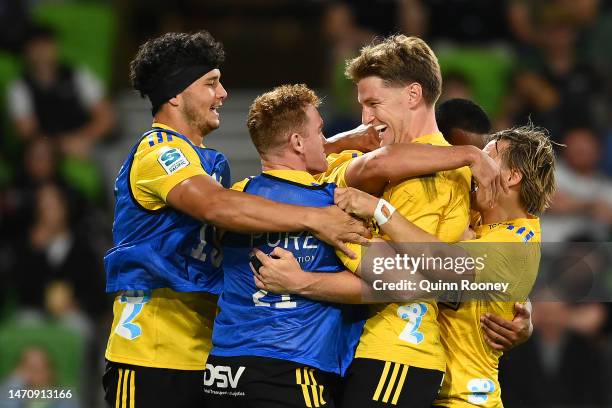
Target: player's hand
x,y
334,226
364,138
355,202
279,272
491,184
502,334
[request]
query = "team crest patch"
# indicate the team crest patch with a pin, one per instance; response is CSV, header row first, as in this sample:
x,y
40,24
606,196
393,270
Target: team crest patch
x,y
172,159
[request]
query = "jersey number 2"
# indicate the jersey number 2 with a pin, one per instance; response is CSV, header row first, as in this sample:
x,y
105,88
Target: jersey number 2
x,y
413,314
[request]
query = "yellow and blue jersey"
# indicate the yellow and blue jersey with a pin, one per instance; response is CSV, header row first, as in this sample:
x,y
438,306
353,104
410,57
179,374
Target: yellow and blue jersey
x,y
253,322
512,255
164,266
439,204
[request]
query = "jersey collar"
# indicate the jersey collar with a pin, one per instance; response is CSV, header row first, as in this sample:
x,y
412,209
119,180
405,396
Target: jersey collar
x,y
531,223
432,138
162,126
297,176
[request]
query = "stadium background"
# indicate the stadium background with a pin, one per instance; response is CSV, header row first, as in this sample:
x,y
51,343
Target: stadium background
x,y
547,60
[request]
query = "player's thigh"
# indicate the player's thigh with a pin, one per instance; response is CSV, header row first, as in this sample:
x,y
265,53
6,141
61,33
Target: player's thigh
x,y
129,386
256,382
375,384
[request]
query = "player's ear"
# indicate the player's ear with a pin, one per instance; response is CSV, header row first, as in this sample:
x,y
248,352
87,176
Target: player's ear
x,y
175,101
296,142
513,177
414,91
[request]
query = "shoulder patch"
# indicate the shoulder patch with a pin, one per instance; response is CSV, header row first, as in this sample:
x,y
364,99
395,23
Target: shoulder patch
x,y
172,159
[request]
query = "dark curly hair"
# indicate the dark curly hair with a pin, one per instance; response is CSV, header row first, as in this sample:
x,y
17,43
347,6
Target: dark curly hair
x,y
164,56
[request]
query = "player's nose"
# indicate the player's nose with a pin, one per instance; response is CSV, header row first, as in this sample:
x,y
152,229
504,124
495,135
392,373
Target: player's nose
x,y
221,92
367,115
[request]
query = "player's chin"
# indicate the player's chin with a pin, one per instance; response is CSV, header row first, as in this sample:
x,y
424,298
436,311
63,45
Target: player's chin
x,y
214,124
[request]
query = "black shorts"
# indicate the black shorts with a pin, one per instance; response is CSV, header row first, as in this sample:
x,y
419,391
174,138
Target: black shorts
x,y
258,382
375,384
129,386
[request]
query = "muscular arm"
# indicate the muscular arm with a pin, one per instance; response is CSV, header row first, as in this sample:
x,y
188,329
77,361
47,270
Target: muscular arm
x,y
204,199
373,171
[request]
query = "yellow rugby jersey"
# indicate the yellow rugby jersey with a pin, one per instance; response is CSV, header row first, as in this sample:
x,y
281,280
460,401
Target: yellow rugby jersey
x,y
472,366
439,204
337,164
175,328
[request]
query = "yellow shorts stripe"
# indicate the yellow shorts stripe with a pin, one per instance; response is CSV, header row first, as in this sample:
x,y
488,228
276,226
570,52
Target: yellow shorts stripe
x,y
124,389
304,385
315,394
118,394
396,367
381,382
132,389
400,384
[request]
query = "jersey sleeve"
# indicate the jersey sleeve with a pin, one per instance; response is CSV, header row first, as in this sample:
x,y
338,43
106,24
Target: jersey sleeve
x,y
337,165
159,168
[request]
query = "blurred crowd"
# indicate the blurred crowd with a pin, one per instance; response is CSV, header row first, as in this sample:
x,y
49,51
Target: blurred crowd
x,y
544,61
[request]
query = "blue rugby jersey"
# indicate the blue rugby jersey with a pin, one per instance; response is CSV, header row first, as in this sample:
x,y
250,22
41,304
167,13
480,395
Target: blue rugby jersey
x,y
252,322
163,248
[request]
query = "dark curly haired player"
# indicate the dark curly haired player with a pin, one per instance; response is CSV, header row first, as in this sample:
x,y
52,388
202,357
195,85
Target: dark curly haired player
x,y
164,266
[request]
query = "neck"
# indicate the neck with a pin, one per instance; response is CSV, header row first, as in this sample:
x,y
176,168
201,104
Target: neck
x,y
422,123
284,162
175,120
505,209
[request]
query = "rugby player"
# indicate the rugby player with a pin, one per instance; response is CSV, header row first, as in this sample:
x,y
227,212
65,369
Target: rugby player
x,y
296,360
527,160
165,265
398,82
464,122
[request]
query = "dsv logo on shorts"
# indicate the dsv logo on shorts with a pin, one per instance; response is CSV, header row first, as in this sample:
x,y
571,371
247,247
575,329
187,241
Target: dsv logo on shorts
x,y
221,376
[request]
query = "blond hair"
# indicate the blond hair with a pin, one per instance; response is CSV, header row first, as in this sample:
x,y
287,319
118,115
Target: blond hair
x,y
399,60
531,153
277,112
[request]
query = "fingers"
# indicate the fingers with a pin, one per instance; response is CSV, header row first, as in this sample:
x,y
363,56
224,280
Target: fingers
x,y
521,311
499,324
357,239
263,258
493,345
259,283
495,340
281,253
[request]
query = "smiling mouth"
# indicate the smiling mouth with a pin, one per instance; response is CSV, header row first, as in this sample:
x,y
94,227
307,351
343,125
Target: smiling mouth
x,y
381,129
215,107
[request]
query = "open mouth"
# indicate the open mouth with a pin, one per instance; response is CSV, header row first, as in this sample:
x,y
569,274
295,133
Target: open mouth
x,y
381,130
215,107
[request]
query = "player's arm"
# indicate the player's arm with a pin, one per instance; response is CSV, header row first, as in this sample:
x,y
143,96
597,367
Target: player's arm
x,y
203,198
281,273
372,171
363,138
406,237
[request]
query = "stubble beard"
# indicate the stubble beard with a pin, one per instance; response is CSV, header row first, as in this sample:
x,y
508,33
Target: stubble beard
x,y
196,118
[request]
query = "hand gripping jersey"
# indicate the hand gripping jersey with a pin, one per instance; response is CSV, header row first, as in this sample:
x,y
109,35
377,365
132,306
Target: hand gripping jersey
x,y
252,322
512,255
164,264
